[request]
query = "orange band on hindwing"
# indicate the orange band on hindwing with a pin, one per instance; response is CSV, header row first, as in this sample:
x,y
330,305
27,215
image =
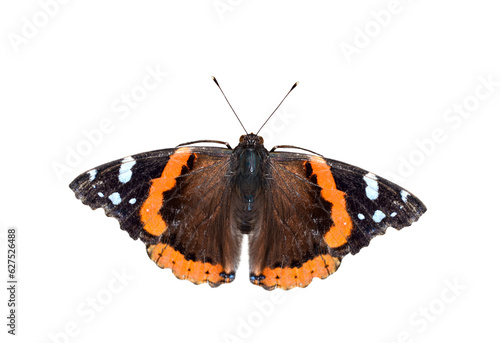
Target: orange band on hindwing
x,y
195,271
150,216
287,278
342,225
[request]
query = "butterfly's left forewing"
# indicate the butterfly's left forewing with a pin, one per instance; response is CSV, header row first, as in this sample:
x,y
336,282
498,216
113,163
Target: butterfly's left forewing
x,y
121,187
177,202
317,211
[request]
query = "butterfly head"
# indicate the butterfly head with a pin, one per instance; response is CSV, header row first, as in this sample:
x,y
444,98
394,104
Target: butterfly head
x,y
251,140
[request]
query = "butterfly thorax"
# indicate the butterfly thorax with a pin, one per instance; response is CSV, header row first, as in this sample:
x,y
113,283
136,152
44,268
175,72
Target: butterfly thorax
x,y
248,169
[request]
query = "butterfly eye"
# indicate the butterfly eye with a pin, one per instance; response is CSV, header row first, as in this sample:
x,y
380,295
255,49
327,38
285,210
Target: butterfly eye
x,y
242,138
261,140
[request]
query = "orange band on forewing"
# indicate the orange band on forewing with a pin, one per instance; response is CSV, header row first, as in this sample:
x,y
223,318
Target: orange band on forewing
x,y
197,272
342,224
150,216
287,278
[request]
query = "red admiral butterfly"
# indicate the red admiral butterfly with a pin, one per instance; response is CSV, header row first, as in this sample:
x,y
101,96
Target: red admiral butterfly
x,y
192,205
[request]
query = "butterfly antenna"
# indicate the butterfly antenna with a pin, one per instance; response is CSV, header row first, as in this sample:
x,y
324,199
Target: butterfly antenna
x,y
217,83
294,85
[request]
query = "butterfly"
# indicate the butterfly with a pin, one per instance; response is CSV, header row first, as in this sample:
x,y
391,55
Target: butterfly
x,y
192,205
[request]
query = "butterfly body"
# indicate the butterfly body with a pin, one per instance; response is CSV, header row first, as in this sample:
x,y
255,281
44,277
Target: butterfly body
x,y
249,171
192,205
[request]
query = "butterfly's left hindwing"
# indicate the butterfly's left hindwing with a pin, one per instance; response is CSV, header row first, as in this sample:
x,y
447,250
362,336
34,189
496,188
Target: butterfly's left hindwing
x,y
177,202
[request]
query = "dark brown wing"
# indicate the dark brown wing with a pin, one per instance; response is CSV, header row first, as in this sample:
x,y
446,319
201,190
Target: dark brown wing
x,y
177,202
317,211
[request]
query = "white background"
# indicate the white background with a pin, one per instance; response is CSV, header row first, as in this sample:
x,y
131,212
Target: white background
x,y
61,74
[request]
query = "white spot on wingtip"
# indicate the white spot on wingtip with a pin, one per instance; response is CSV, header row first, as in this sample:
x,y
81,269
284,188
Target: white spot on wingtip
x,y
132,201
371,186
100,194
115,198
361,216
378,216
92,174
404,195
125,173
393,214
